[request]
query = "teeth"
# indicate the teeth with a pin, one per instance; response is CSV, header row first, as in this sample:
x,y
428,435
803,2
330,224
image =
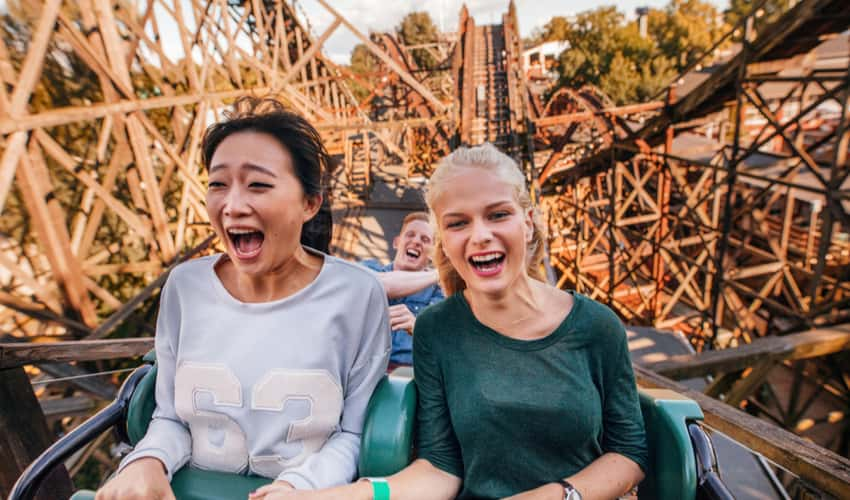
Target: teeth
x,y
486,257
241,231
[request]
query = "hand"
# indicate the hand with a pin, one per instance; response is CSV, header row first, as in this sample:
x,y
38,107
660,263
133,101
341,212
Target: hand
x,y
401,318
550,491
142,479
277,489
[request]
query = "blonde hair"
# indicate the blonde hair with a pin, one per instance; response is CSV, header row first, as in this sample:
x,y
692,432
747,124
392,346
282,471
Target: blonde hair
x,y
490,159
412,216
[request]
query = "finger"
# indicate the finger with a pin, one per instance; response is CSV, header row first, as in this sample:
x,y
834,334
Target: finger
x,y
398,317
265,490
262,490
399,308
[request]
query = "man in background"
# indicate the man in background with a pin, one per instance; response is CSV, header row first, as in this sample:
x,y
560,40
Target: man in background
x,y
409,284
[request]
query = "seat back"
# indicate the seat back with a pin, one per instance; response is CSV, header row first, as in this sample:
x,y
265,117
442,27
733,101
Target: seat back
x,y
672,465
386,445
141,407
386,442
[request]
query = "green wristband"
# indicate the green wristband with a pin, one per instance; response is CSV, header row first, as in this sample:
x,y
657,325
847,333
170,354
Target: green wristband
x,y
380,488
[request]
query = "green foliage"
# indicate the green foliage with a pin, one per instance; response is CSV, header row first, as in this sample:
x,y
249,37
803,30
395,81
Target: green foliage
x,y
558,28
417,28
685,30
610,53
770,11
363,63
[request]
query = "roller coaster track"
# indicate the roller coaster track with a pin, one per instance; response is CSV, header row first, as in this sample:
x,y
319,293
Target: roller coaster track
x,y
491,95
800,30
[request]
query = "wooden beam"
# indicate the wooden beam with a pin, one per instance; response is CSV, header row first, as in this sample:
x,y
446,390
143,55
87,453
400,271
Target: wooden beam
x,y
25,435
20,353
63,407
83,379
15,146
567,118
809,344
49,222
356,126
72,114
17,104
55,151
309,54
407,77
824,469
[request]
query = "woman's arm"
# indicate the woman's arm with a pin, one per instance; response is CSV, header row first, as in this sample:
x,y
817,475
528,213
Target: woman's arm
x,y
625,453
399,284
167,445
606,478
435,436
418,481
336,462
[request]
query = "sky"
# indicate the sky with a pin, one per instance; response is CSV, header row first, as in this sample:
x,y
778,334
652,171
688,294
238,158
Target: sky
x,y
383,15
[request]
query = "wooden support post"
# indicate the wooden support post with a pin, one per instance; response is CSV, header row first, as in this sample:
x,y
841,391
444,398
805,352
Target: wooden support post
x,y
25,435
310,53
663,204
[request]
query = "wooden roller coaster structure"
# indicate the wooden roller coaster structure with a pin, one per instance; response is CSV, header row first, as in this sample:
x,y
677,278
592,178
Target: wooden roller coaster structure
x,y
721,211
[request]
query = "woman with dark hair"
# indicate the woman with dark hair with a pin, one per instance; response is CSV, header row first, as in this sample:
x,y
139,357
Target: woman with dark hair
x,y
268,353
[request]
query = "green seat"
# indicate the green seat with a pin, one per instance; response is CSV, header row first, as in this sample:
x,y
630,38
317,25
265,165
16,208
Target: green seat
x,y
672,464
386,442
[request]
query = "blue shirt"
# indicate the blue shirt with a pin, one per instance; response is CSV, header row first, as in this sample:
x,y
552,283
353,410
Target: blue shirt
x,y
402,349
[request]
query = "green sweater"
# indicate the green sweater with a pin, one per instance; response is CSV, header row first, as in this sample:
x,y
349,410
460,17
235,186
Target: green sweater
x,y
509,415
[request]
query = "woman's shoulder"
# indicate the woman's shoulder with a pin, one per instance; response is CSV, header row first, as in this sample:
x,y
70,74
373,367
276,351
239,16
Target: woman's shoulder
x,y
597,320
353,274
440,316
192,270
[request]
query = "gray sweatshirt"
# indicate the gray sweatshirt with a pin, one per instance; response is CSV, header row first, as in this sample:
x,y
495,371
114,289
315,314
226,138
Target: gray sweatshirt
x,y
278,389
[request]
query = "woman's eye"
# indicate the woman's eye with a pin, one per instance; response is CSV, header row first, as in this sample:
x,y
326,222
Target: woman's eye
x,y
499,215
455,224
260,185
215,184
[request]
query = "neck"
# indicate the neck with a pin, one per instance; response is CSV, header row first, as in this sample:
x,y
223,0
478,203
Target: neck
x,y
519,300
295,273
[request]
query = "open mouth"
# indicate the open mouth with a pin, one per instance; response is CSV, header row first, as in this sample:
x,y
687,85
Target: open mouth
x,y
488,263
246,242
412,253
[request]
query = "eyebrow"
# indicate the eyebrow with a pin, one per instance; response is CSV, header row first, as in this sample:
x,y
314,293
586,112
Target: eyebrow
x,y
488,207
249,166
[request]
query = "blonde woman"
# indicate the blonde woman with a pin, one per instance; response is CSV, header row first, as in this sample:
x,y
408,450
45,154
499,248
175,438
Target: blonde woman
x,y
525,391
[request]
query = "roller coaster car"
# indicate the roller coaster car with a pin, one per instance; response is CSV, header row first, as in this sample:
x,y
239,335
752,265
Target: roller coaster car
x,y
682,460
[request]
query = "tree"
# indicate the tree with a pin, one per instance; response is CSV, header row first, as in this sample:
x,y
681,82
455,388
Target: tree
x,y
363,63
417,28
770,11
686,29
558,28
609,53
